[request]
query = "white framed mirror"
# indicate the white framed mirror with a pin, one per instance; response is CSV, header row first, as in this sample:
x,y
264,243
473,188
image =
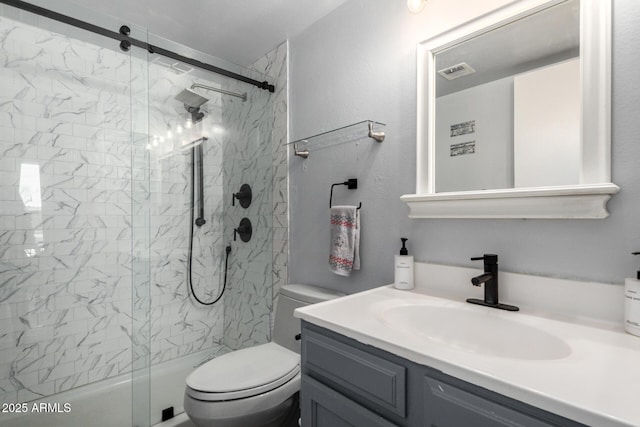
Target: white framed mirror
x,y
514,114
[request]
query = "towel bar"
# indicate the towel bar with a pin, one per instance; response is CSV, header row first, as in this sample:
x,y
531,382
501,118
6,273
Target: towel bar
x,y
351,183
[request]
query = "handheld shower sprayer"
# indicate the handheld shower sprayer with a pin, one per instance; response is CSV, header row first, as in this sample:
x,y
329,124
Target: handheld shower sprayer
x,y
197,157
196,114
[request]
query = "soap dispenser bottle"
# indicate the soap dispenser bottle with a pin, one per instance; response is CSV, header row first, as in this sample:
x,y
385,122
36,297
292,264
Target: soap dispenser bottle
x,y
404,268
632,303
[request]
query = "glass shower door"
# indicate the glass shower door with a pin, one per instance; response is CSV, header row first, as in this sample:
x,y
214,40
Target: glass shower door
x,y
73,230
199,156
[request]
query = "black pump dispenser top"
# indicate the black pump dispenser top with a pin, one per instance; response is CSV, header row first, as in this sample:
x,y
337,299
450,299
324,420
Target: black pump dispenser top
x,y
637,272
404,251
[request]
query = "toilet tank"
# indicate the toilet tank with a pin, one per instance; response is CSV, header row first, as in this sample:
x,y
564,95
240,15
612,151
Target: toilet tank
x,y
285,326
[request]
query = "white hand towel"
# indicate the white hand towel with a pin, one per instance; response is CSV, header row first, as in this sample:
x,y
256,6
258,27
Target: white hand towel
x,y
344,255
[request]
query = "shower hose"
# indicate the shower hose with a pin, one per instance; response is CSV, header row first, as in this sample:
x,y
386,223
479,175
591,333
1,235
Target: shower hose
x,y
190,255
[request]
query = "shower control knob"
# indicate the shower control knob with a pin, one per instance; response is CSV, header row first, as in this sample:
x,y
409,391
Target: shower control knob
x,y
244,196
245,230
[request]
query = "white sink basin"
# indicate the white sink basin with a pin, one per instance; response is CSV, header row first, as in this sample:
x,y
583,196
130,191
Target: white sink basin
x,y
476,330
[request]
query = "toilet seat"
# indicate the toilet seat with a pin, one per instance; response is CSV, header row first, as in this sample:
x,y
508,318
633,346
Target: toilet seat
x,y
243,373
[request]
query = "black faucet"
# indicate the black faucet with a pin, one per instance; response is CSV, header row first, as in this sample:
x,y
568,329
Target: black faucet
x,y
490,280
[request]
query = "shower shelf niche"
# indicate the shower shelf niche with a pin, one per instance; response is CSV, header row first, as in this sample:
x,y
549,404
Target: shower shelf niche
x,y
353,132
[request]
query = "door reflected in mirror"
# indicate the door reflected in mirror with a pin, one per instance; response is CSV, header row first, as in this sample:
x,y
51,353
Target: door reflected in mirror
x,y
508,105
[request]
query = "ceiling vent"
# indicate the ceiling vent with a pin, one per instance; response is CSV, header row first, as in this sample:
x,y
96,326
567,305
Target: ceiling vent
x,y
455,71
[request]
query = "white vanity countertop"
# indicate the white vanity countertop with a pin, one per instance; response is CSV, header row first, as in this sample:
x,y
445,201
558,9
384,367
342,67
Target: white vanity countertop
x,y
597,383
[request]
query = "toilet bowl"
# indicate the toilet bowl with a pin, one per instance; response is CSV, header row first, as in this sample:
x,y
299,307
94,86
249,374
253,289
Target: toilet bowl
x,y
256,386
253,386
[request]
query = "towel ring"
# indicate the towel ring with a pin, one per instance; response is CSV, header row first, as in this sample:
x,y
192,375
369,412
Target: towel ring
x,y
351,183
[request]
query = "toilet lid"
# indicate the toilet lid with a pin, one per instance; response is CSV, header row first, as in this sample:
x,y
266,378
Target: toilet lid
x,y
245,372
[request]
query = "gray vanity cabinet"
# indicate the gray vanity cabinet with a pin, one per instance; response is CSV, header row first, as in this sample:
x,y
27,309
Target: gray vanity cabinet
x,y
347,383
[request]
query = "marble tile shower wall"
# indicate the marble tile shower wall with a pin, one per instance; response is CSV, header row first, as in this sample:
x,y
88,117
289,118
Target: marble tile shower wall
x,y
259,129
66,221
275,65
248,296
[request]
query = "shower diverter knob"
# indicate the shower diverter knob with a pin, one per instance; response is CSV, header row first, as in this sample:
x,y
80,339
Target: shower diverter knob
x,y
245,230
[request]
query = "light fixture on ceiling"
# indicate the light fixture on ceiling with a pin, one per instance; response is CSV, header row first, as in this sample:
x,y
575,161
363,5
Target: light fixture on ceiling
x,y
416,6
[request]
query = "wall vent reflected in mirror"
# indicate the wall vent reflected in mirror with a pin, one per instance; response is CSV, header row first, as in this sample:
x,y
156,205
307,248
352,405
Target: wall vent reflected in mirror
x,y
455,71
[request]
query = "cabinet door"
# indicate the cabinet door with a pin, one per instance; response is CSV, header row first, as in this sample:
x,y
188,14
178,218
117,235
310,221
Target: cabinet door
x,y
449,405
321,406
373,381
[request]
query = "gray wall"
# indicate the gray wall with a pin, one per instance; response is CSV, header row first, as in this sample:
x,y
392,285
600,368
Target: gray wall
x,y
359,63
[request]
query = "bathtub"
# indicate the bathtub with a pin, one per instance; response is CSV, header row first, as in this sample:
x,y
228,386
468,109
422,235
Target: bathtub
x,y
108,403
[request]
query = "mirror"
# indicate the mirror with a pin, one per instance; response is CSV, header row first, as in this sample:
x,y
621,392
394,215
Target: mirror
x,y
507,110
513,115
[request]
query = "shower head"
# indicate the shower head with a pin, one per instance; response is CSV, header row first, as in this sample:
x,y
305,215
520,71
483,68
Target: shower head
x,y
191,99
192,102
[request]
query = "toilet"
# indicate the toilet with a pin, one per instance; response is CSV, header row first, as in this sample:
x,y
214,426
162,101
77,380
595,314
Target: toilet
x,y
256,386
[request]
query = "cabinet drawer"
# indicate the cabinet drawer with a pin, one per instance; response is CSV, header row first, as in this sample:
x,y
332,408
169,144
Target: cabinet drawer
x,y
321,406
448,404
368,377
